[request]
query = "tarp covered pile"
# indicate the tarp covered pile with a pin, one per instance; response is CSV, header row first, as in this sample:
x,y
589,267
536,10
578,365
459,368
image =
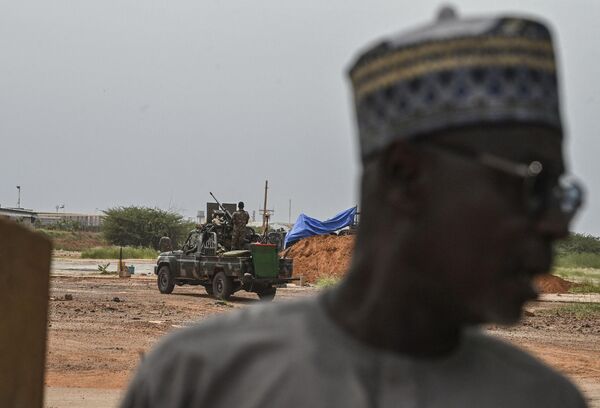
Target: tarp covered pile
x,y
306,226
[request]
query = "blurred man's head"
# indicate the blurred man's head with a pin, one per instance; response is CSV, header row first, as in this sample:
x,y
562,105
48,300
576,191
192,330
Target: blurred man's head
x,y
241,205
461,141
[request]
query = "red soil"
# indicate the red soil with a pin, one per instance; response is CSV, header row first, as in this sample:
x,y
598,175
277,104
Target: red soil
x,y
321,256
552,284
327,256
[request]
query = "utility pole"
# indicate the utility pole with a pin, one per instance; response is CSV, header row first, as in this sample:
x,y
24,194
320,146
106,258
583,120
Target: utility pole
x,y
18,196
265,212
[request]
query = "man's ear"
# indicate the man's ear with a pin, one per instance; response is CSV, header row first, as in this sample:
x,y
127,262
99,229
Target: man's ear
x,y
401,170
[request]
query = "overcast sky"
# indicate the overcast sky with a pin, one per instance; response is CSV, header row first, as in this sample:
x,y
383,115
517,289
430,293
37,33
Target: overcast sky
x,y
120,102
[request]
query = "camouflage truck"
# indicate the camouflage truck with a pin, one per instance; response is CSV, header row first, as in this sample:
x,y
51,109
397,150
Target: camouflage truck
x,y
206,259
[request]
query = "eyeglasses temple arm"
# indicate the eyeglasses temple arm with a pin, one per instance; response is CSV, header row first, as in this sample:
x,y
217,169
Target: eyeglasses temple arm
x,y
518,169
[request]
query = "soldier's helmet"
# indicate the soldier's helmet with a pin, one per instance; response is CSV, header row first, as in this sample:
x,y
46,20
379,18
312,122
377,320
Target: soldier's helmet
x,y
164,244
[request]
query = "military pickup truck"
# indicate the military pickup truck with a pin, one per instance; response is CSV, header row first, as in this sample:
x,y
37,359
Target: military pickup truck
x,y
203,261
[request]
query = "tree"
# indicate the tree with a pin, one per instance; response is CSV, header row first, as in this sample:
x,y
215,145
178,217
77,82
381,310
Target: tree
x,y
143,226
578,243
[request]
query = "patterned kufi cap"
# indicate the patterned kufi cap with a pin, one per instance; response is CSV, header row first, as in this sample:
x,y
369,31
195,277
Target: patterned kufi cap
x,y
455,73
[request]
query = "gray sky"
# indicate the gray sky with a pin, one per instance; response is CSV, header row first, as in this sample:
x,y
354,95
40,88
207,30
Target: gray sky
x,y
108,103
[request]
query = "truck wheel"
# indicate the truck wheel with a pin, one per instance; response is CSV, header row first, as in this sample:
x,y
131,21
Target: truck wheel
x,y
164,280
209,290
222,286
267,294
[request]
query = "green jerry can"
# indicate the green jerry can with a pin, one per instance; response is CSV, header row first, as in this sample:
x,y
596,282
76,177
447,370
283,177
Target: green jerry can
x,y
265,260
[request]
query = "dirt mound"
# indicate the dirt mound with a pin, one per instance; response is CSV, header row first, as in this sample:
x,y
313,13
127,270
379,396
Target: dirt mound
x,y
552,284
321,256
326,256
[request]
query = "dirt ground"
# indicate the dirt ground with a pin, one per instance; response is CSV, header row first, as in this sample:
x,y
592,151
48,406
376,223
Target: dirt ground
x,y
96,339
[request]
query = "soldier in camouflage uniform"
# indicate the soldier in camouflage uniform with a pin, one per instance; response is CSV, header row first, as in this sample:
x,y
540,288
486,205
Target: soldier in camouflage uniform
x,y
239,220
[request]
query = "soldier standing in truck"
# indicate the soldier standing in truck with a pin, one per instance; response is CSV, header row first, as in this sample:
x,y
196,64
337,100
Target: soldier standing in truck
x,y
239,220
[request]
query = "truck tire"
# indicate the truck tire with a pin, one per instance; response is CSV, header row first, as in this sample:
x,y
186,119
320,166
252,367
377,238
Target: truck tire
x,y
222,286
267,294
165,280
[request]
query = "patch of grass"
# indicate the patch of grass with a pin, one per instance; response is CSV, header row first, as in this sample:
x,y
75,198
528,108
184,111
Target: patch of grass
x,y
579,275
326,282
578,260
585,287
578,310
113,253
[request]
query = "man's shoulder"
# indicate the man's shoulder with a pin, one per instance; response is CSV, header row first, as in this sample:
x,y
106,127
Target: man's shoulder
x,y
493,348
514,368
252,326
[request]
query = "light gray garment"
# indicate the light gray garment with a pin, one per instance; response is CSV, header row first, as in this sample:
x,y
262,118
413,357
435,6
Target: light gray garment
x,y
293,355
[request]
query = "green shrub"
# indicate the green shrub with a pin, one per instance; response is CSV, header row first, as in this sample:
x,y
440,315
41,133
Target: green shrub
x,y
113,253
326,281
143,226
578,243
103,268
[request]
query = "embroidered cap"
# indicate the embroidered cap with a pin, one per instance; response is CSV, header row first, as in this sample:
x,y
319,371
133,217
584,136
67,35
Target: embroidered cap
x,y
455,73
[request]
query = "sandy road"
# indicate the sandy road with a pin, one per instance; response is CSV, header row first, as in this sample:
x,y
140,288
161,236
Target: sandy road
x,y
567,343
96,339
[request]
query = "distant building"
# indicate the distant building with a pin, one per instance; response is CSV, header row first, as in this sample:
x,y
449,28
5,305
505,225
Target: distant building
x,y
26,216
21,215
85,220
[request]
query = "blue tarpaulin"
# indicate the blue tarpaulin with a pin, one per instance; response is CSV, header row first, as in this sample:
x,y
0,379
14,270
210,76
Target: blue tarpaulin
x,y
306,226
